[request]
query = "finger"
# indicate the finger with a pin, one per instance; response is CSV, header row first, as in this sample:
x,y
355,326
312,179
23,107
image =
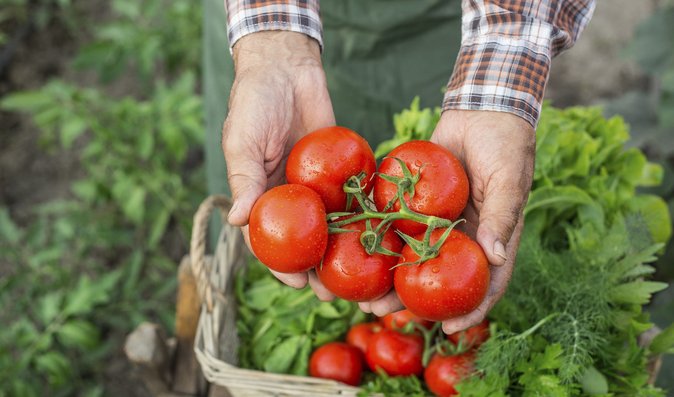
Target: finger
x,y
365,307
317,99
500,278
464,322
246,237
245,172
319,289
501,210
295,280
470,225
388,304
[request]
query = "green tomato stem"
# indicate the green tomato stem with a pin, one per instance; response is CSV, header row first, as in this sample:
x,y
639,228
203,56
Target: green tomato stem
x,y
371,239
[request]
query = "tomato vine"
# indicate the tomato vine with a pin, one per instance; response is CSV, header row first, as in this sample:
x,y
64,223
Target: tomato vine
x,y
371,237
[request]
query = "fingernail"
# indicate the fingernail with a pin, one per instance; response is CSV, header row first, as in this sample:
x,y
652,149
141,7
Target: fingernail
x,y
232,211
378,310
499,250
448,330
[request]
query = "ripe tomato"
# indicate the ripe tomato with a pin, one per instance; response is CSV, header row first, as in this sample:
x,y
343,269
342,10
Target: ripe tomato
x,y
395,353
359,335
444,372
350,273
441,191
452,284
473,337
326,158
339,361
288,228
399,319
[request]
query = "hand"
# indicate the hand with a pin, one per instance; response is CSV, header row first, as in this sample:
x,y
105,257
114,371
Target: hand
x,y
279,95
498,151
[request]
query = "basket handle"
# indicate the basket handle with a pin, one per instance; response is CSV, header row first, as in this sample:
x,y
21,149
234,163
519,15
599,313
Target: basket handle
x,y
198,244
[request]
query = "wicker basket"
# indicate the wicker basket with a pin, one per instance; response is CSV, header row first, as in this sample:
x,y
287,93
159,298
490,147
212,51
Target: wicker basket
x,y
216,340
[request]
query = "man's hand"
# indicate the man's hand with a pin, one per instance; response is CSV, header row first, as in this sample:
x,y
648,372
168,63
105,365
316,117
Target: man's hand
x,y
498,151
279,95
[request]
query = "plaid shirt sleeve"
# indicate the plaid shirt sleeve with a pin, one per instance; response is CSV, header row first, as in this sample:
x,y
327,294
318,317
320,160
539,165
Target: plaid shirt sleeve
x,y
249,16
506,50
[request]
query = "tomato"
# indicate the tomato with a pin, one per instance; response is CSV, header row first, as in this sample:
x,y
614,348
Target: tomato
x,y
395,353
326,158
359,335
444,372
339,361
288,228
473,336
399,319
349,272
452,284
441,191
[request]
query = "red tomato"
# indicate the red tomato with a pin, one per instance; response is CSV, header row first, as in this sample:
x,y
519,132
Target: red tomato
x,y
473,336
359,335
350,273
395,353
444,372
339,361
399,319
441,191
288,228
324,159
452,284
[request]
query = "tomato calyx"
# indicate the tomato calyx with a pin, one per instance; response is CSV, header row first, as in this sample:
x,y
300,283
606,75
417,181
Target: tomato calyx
x,y
354,189
405,184
428,335
446,348
424,249
371,237
371,240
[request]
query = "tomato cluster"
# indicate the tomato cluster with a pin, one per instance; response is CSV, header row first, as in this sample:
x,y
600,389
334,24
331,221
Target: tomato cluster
x,y
366,230
397,345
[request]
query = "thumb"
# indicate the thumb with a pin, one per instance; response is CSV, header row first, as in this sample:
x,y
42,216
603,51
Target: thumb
x,y
247,180
501,210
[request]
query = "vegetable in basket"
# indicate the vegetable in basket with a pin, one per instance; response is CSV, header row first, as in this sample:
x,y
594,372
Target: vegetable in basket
x,y
570,321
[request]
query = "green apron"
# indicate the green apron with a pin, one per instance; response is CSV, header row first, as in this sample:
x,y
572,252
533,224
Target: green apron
x,y
378,55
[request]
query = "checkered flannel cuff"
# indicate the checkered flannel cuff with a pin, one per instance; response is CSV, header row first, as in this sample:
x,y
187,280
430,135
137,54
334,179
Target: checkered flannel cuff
x,y
249,16
500,74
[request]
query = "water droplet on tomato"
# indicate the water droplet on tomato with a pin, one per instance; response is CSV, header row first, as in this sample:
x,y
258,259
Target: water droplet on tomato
x,y
435,269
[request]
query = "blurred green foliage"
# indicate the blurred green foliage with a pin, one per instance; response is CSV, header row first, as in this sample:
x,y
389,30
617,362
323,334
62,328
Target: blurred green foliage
x,y
651,113
90,267
151,37
651,116
17,14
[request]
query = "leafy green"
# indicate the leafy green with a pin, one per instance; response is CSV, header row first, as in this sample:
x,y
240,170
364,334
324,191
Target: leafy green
x,y
280,326
663,342
593,382
410,124
569,321
393,386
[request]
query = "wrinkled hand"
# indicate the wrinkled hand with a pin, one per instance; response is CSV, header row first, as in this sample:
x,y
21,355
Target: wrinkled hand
x,y
498,151
279,95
